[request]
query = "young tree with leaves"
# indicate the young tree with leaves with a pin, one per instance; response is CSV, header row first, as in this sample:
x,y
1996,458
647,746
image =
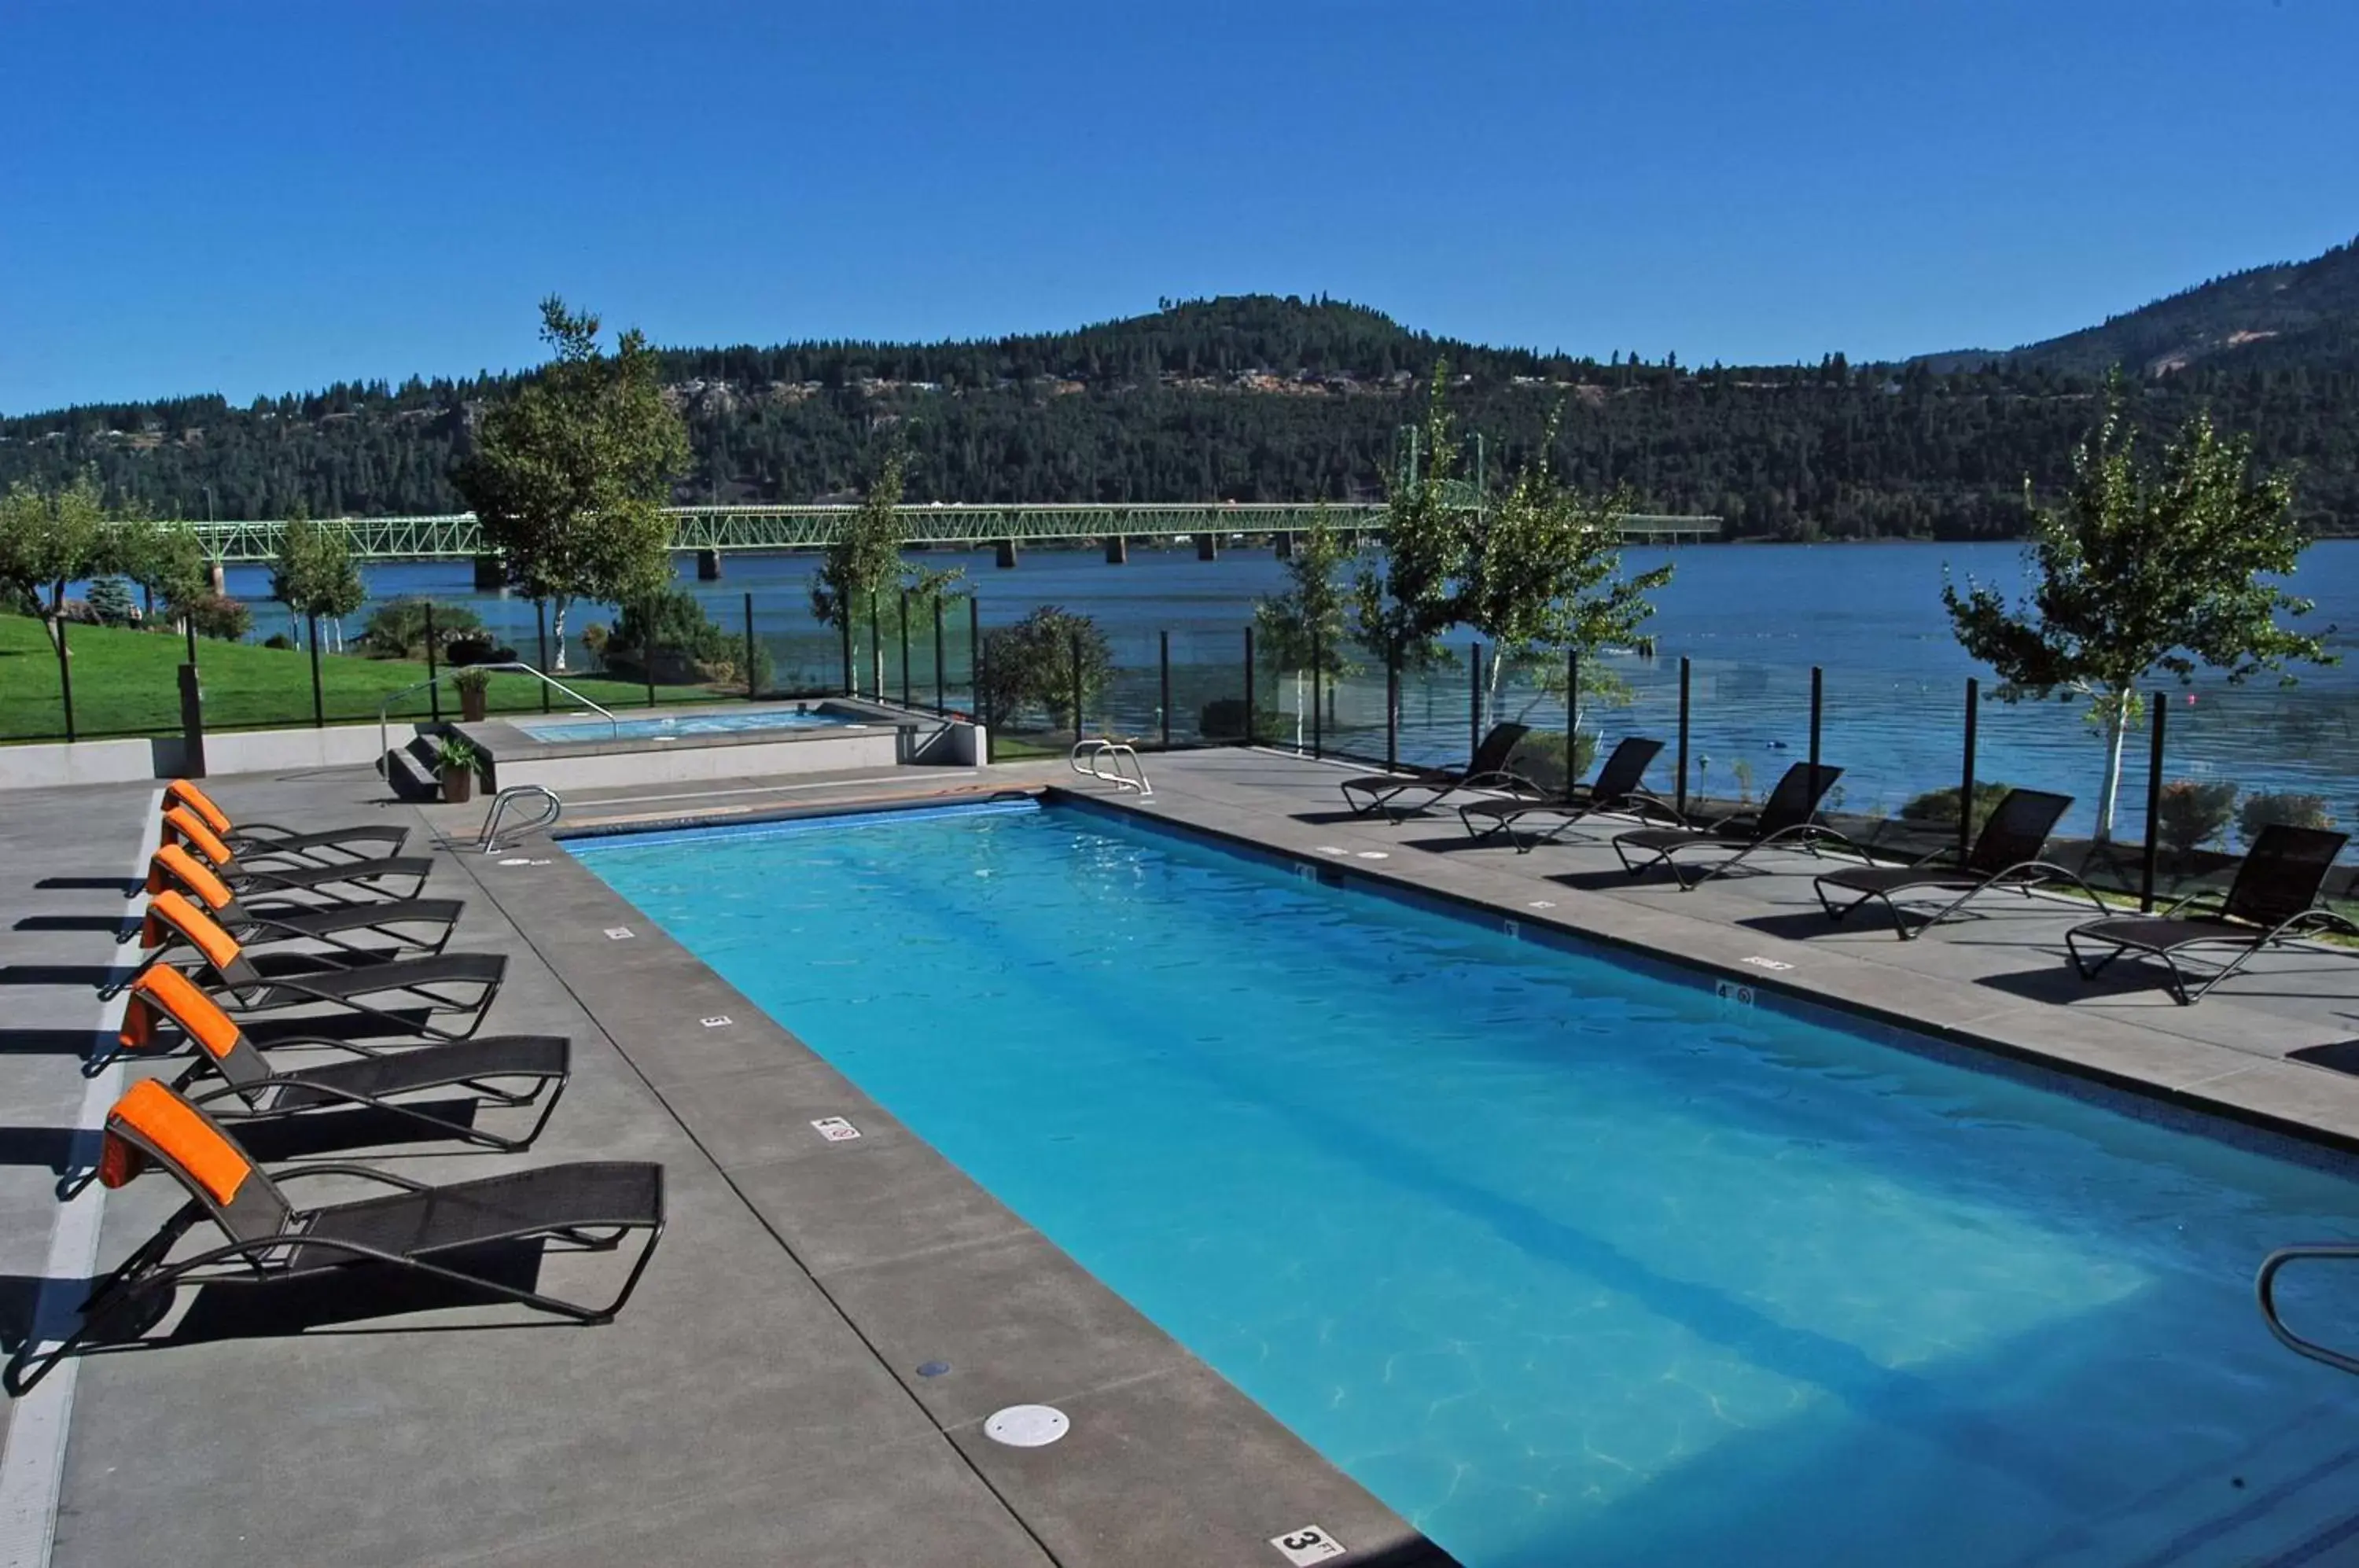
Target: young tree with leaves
x,y
1542,574
167,560
865,561
1031,665
571,470
49,538
315,574
2143,570
1404,604
1304,628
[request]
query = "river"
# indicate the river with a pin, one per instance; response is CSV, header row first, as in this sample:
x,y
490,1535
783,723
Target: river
x,y
1753,620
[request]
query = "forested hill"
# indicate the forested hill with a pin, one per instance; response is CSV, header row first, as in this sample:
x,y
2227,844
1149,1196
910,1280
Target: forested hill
x,y
2293,312
1262,399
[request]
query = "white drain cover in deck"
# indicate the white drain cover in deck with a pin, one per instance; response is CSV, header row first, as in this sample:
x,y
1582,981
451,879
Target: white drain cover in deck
x,y
1026,1426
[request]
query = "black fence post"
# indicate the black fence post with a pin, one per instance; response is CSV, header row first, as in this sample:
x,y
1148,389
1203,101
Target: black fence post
x,y
974,652
1474,718
1249,687
192,725
65,669
844,625
1078,727
1818,704
905,647
319,704
942,676
1966,781
646,655
2153,805
1392,705
1680,795
433,671
189,629
1163,662
1318,697
876,645
1571,721
753,686
540,631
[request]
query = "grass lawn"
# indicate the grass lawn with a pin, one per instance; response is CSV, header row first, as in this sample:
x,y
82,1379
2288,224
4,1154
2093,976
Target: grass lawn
x,y
127,684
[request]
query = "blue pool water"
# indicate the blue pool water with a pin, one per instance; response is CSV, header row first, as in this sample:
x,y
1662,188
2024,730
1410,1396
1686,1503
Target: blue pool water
x,y
729,721
1567,1262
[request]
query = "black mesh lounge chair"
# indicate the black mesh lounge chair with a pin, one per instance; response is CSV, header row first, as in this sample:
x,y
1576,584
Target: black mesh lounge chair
x,y
1487,769
409,995
412,926
366,842
1785,819
1615,792
252,1087
2006,854
445,1231
2274,898
347,881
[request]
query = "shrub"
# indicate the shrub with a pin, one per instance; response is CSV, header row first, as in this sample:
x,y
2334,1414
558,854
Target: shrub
x,y
397,629
2295,810
1539,757
671,638
1224,718
2194,814
278,641
1028,667
475,648
1941,805
110,603
217,616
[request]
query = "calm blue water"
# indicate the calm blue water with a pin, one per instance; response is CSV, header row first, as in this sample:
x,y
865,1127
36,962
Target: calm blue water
x,y
736,721
1567,1263
1753,619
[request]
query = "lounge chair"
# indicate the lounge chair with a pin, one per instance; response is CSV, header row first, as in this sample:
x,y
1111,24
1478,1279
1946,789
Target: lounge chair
x,y
1487,769
1786,819
459,985
2273,899
398,876
420,926
261,839
2006,854
439,1231
253,1088
1615,792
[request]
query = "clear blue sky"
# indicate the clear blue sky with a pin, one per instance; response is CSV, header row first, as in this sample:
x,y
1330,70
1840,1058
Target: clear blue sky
x,y
265,197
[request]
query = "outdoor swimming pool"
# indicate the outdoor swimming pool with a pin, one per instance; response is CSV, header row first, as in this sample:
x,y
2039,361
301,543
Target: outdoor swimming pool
x,y
1566,1261
730,721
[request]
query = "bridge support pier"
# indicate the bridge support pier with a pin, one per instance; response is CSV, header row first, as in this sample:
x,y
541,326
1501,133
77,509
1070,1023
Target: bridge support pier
x,y
220,577
1117,548
708,566
1208,547
1282,544
491,573
1007,555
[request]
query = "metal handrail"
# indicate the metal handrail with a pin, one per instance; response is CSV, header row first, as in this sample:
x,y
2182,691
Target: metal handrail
x,y
1086,755
385,709
488,840
2265,1287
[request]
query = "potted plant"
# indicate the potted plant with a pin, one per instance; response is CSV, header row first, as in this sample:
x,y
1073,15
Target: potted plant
x,y
473,688
458,762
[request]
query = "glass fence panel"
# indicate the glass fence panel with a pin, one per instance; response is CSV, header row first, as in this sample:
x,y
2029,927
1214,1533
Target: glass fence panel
x,y
1437,709
1208,687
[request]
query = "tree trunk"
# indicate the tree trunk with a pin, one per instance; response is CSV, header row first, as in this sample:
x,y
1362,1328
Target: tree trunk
x,y
1298,710
2116,724
57,614
558,607
876,649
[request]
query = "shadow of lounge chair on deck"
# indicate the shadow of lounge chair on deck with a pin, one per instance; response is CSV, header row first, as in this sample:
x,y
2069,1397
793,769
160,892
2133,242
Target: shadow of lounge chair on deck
x,y
2273,899
2006,854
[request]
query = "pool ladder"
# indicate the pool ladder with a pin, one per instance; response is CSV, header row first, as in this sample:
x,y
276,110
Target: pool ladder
x,y
2266,1287
1110,762
549,809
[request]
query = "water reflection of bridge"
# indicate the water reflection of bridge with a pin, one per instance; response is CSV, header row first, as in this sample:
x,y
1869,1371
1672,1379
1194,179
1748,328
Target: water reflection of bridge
x,y
1006,526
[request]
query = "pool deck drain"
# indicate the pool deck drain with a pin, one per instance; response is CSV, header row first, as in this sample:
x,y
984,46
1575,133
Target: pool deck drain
x,y
772,1393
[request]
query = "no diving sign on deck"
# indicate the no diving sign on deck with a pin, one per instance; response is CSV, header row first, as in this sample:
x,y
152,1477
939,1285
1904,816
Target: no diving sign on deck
x,y
835,1129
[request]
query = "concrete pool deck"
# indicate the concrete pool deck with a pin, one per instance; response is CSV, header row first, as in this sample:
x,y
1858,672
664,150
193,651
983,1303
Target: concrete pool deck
x,y
759,1401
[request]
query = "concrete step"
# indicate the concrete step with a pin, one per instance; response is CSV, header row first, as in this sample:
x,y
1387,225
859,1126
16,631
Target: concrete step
x,y
411,773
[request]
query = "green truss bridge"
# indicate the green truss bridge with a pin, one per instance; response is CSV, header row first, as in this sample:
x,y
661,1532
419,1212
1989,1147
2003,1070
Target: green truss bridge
x,y
1006,527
